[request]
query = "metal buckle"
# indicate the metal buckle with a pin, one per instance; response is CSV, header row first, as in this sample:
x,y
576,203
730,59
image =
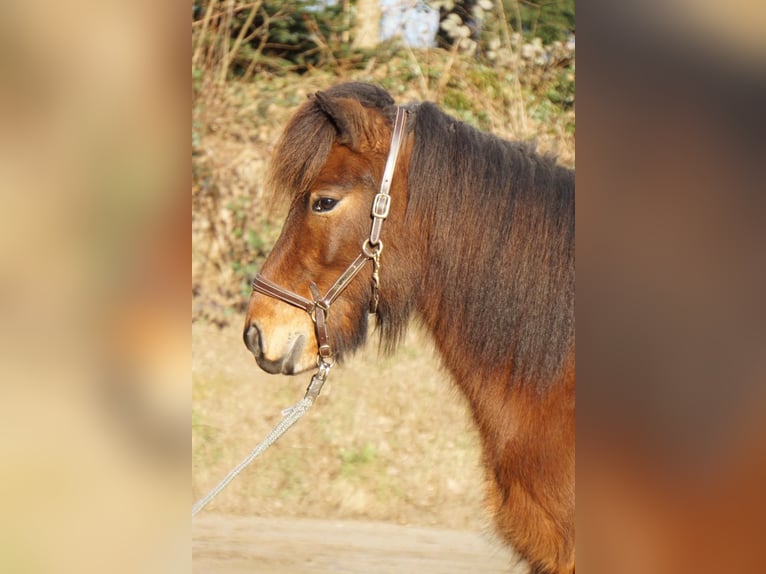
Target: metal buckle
x,y
319,378
380,205
372,250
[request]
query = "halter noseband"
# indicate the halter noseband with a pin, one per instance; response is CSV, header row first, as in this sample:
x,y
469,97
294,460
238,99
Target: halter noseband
x,y
371,249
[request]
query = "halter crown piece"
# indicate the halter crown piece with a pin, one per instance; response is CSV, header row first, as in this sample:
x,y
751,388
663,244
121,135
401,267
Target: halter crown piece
x,y
371,249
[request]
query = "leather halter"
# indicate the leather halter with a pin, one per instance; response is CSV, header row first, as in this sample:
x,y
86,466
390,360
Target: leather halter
x,y
319,307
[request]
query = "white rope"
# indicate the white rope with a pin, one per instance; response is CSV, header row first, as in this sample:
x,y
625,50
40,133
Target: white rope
x,y
290,417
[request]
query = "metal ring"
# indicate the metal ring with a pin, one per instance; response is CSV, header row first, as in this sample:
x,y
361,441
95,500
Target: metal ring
x,y
324,365
371,250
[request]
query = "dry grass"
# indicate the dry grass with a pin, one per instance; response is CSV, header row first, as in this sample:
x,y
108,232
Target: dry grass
x,y
389,439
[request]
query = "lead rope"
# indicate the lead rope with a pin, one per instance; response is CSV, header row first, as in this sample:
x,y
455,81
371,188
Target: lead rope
x,y
290,416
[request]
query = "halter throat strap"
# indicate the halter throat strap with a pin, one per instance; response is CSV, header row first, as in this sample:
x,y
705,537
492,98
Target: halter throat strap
x,y
319,307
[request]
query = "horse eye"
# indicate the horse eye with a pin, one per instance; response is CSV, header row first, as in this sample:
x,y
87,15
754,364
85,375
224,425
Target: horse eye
x,y
323,204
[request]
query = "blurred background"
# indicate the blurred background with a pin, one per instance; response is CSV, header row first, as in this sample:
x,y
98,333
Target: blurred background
x,y
671,442
94,251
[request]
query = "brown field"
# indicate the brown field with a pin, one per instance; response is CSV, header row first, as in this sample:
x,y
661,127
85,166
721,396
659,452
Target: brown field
x,y
297,546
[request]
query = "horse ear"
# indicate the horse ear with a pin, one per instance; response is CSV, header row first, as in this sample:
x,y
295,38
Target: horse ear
x,y
347,115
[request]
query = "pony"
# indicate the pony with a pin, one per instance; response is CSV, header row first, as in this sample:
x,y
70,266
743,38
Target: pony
x,y
479,247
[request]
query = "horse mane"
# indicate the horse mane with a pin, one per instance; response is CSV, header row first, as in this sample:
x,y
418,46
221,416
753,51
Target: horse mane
x,y
510,285
508,282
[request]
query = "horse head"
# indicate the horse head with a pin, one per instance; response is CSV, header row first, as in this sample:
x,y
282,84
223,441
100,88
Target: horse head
x,y
329,163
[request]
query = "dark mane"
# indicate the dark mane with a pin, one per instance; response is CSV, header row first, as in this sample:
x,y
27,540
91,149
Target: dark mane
x,y
514,210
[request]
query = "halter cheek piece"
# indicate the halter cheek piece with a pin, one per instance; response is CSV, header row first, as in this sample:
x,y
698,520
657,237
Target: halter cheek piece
x,y
319,307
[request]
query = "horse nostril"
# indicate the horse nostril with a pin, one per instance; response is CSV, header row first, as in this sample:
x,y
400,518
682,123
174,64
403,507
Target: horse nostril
x,y
252,338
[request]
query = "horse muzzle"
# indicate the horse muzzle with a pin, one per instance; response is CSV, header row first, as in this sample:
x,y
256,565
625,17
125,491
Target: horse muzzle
x,y
285,354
